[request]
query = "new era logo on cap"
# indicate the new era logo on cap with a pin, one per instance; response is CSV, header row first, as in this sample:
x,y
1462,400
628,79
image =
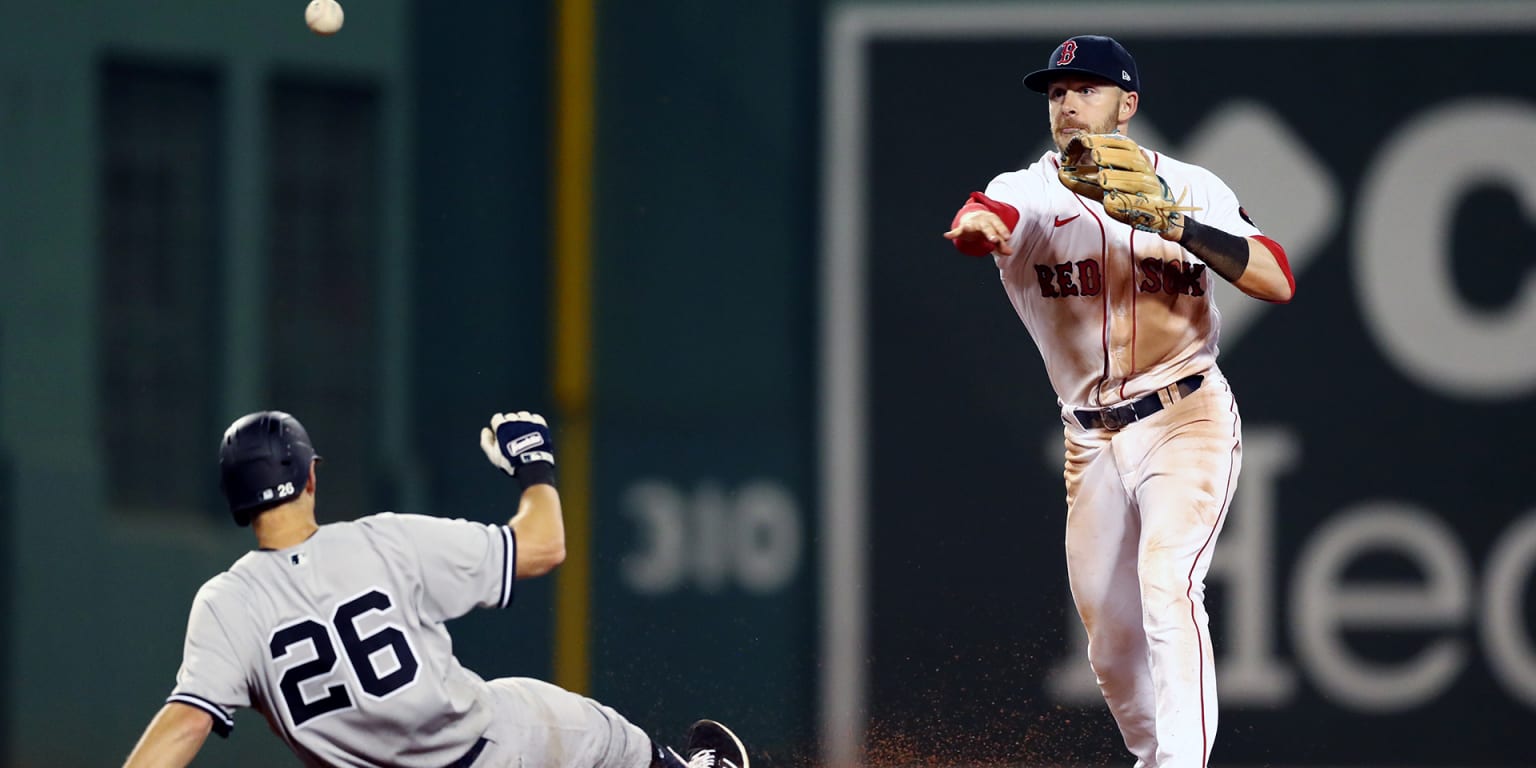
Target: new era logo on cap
x,y
1094,55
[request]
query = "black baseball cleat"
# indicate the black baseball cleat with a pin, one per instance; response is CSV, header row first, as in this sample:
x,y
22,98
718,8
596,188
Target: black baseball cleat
x,y
712,745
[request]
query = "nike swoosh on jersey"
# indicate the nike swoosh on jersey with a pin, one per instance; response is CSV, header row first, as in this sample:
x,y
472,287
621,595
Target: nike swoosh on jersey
x,y
1060,222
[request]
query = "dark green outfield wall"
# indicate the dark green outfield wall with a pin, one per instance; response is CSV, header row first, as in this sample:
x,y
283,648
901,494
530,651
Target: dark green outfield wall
x,y
703,262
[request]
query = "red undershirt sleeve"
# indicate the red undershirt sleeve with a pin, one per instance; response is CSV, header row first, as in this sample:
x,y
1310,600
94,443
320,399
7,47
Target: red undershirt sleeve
x,y
979,246
1285,264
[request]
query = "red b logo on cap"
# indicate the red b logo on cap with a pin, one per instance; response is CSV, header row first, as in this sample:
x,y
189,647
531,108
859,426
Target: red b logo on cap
x,y
1068,52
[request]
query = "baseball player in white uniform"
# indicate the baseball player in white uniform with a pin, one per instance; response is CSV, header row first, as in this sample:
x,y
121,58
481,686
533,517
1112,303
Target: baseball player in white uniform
x,y
1125,323
335,632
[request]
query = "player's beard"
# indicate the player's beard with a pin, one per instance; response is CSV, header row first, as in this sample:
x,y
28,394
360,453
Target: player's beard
x,y
1107,125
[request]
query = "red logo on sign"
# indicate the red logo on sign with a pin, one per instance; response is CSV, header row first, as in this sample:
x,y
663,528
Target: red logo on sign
x,y
1068,52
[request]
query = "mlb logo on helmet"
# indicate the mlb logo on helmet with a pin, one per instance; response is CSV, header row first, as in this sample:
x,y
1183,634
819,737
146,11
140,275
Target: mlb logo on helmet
x,y
1094,55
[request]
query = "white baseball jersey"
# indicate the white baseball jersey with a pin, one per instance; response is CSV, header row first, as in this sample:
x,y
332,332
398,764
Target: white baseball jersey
x,y
1116,313
339,641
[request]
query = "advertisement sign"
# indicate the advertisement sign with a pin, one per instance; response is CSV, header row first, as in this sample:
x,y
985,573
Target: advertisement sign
x,y
1371,595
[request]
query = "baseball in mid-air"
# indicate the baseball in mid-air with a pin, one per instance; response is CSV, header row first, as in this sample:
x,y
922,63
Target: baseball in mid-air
x,y
324,17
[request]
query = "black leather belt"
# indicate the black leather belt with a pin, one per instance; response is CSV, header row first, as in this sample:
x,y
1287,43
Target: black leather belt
x,y
1125,414
469,757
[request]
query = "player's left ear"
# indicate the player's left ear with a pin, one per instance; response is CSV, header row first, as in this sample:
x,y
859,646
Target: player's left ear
x,y
1129,100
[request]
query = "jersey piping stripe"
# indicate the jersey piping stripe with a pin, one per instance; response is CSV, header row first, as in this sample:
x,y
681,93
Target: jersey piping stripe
x,y
509,564
1226,504
1134,301
223,721
1098,396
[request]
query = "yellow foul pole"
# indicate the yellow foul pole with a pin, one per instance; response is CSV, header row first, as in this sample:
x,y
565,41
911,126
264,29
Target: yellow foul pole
x,y
575,25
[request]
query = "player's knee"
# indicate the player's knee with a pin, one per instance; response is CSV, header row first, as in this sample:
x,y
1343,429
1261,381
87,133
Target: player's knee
x,y
1162,594
1107,645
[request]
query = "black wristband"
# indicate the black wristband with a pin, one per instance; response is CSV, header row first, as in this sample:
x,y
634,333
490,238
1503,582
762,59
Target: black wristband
x,y
1225,253
536,472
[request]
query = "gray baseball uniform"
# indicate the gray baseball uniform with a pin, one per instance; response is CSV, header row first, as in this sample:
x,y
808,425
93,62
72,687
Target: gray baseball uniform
x,y
339,642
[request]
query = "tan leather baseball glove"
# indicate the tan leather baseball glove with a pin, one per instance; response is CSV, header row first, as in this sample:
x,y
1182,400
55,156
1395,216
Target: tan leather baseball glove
x,y
1112,169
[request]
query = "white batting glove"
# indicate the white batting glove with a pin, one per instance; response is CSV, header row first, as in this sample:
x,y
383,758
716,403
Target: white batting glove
x,y
517,440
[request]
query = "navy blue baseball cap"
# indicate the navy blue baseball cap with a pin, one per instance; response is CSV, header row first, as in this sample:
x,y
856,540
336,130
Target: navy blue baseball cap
x,y
1094,55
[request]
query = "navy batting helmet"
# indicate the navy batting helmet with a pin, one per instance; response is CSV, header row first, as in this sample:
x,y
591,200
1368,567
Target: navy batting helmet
x,y
263,462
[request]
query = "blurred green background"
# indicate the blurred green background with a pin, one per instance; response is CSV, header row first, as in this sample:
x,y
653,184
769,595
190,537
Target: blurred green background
x,y
206,210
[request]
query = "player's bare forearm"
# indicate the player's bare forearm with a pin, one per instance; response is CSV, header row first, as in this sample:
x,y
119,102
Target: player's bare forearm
x,y
540,529
1265,278
1255,266
172,739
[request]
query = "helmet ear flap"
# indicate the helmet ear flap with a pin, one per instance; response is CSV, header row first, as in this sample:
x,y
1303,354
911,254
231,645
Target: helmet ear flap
x,y
242,517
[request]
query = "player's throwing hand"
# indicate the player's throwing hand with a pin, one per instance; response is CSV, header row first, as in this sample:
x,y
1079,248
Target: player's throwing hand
x,y
982,225
516,441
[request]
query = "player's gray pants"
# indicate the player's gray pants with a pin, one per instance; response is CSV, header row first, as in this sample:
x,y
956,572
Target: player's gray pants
x,y
538,725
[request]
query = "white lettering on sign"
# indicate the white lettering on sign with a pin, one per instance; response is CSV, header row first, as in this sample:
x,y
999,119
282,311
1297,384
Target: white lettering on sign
x,y
1506,639
752,537
1326,605
1436,609
1401,246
